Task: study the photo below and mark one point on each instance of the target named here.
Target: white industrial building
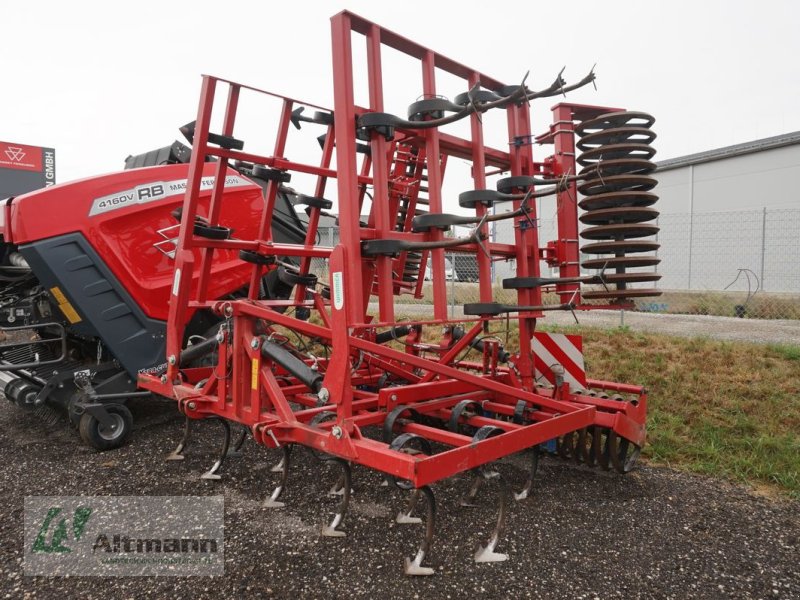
(723, 210)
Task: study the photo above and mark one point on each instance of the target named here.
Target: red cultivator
(330, 367)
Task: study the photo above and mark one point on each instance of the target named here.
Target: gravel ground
(759, 331)
(654, 533)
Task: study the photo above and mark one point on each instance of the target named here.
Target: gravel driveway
(761, 331)
(654, 533)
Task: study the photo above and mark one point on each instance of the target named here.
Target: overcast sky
(101, 80)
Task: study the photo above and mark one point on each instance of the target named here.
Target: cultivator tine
(414, 567)
(468, 501)
(212, 474)
(487, 553)
(278, 468)
(405, 517)
(236, 450)
(331, 530)
(177, 454)
(525, 492)
(272, 501)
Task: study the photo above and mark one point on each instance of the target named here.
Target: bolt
(192, 405)
(324, 395)
(163, 379)
(220, 336)
(393, 397)
(336, 431)
(254, 343)
(172, 360)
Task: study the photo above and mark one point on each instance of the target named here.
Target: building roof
(778, 141)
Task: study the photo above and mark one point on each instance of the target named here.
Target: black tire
(99, 437)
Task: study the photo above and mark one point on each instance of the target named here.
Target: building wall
(729, 214)
(716, 218)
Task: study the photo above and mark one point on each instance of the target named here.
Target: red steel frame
(259, 393)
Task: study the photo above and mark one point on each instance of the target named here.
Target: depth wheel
(102, 437)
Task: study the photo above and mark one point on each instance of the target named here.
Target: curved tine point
(331, 530)
(384, 483)
(211, 474)
(272, 501)
(177, 454)
(414, 567)
(236, 450)
(525, 492)
(487, 553)
(405, 517)
(277, 468)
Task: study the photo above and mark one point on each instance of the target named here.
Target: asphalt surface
(654, 533)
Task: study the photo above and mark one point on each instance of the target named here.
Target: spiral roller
(616, 184)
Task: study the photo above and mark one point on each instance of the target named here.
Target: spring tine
(414, 567)
(405, 517)
(331, 530)
(177, 454)
(487, 553)
(212, 474)
(469, 500)
(278, 468)
(272, 501)
(236, 450)
(525, 492)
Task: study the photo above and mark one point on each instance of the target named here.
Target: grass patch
(721, 408)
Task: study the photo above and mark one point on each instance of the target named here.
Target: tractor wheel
(101, 437)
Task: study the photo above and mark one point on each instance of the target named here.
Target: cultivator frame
(421, 413)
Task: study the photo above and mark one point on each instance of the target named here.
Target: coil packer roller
(421, 413)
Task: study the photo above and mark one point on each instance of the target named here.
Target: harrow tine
(212, 473)
(487, 553)
(525, 492)
(272, 501)
(414, 567)
(177, 454)
(331, 530)
(236, 450)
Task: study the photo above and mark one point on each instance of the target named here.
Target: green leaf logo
(60, 531)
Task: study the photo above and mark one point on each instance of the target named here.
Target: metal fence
(736, 264)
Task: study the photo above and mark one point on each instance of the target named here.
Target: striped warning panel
(566, 350)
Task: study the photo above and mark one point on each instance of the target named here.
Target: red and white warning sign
(566, 350)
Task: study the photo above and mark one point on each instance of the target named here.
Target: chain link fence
(742, 264)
